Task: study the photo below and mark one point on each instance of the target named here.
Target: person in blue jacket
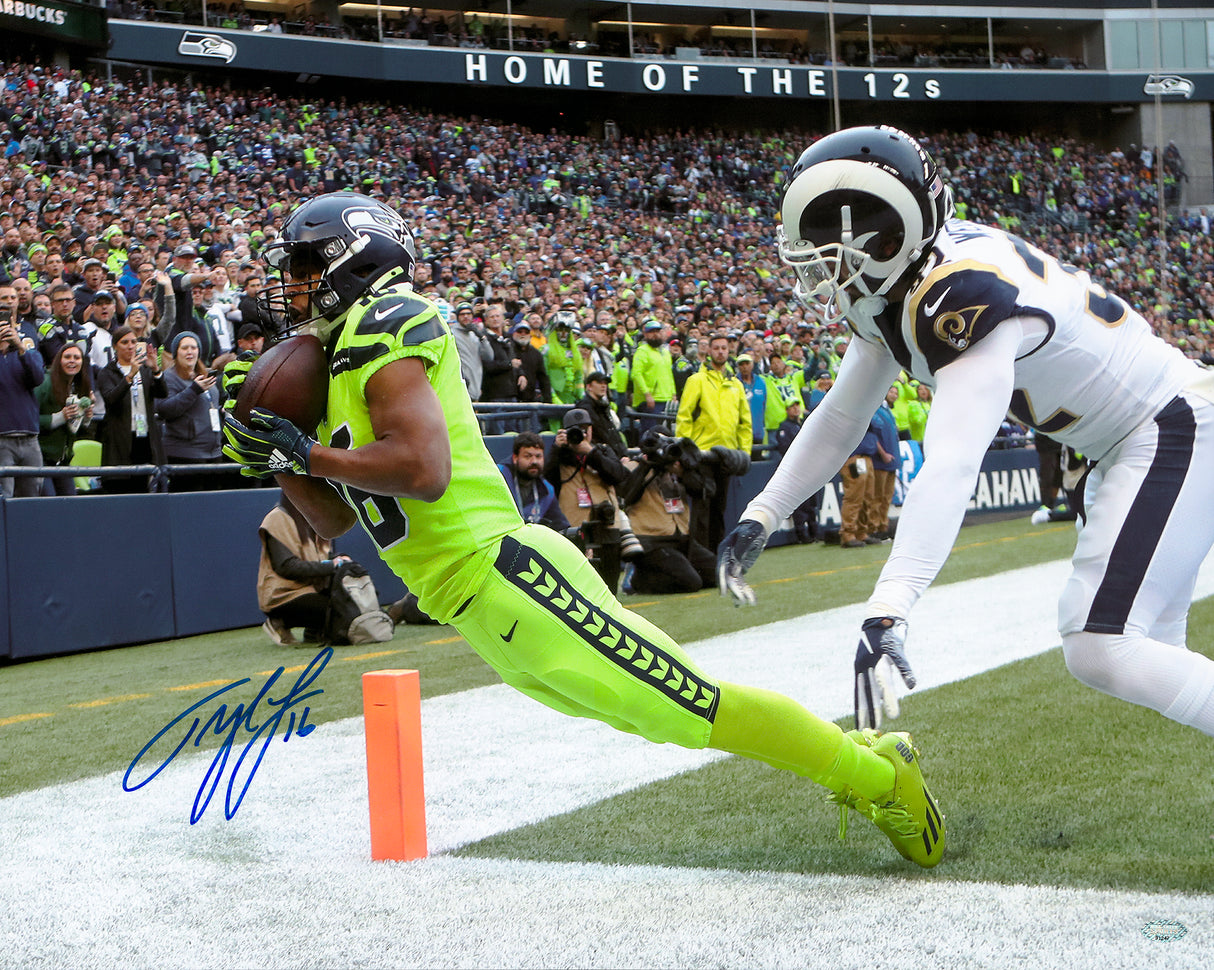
(533, 494)
(886, 463)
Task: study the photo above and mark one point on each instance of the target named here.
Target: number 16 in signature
(261, 725)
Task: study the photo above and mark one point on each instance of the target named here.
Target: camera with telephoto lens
(661, 450)
(575, 435)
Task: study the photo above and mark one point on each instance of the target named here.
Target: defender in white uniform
(991, 324)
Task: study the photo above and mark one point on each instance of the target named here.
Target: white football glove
(735, 555)
(880, 652)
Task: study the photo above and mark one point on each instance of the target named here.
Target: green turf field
(1044, 776)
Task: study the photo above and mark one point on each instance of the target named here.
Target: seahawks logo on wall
(195, 44)
(1162, 84)
(380, 220)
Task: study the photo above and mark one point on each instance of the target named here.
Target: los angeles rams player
(992, 323)
(400, 452)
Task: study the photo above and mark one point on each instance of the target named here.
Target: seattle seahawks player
(400, 452)
(992, 323)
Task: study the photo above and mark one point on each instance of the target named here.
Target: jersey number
(381, 515)
(1106, 309)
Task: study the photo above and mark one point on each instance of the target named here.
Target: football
(291, 379)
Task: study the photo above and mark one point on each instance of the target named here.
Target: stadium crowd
(142, 208)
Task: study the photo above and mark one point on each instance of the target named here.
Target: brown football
(291, 379)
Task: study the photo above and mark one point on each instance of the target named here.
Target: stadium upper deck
(1107, 68)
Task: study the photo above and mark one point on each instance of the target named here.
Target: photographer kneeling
(585, 476)
(659, 507)
(300, 583)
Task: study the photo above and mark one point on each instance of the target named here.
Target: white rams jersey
(1098, 370)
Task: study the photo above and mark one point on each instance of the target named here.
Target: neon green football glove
(234, 374)
(267, 445)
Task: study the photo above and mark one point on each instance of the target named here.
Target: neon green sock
(770, 727)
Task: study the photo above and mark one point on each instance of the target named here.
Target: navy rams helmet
(352, 241)
(861, 211)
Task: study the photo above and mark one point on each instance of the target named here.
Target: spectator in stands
(499, 383)
(857, 475)
(886, 462)
(250, 338)
(65, 407)
(601, 332)
(805, 518)
(755, 387)
(597, 403)
(533, 494)
(184, 275)
(653, 389)
(475, 350)
(1084, 185)
(562, 358)
(102, 319)
(247, 309)
(21, 374)
(917, 412)
(529, 366)
(682, 364)
(190, 411)
(139, 319)
(713, 411)
(96, 281)
(198, 322)
(28, 319)
(129, 385)
(62, 327)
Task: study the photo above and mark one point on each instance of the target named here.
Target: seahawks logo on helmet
(380, 220)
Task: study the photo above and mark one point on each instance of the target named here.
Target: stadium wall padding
(7, 617)
(90, 571)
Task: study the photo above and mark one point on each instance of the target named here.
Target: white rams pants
(1149, 524)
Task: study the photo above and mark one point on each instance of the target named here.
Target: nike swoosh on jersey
(384, 311)
(930, 308)
(509, 636)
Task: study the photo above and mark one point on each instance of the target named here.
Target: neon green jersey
(442, 550)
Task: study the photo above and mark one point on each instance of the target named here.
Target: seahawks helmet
(564, 318)
(862, 209)
(353, 241)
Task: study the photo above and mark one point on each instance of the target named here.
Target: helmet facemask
(333, 250)
(853, 229)
(304, 269)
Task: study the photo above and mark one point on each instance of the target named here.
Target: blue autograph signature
(228, 726)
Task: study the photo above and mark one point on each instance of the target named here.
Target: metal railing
(158, 476)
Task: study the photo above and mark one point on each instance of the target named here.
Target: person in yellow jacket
(907, 395)
(652, 374)
(714, 411)
(782, 387)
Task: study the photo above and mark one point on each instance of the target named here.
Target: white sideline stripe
(94, 876)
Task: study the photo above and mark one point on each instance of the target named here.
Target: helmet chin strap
(869, 306)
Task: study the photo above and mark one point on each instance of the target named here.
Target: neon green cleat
(908, 815)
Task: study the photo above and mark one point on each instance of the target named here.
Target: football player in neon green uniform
(400, 452)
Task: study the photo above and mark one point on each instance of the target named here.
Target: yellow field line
(101, 702)
(445, 640)
(378, 653)
(18, 718)
(208, 683)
